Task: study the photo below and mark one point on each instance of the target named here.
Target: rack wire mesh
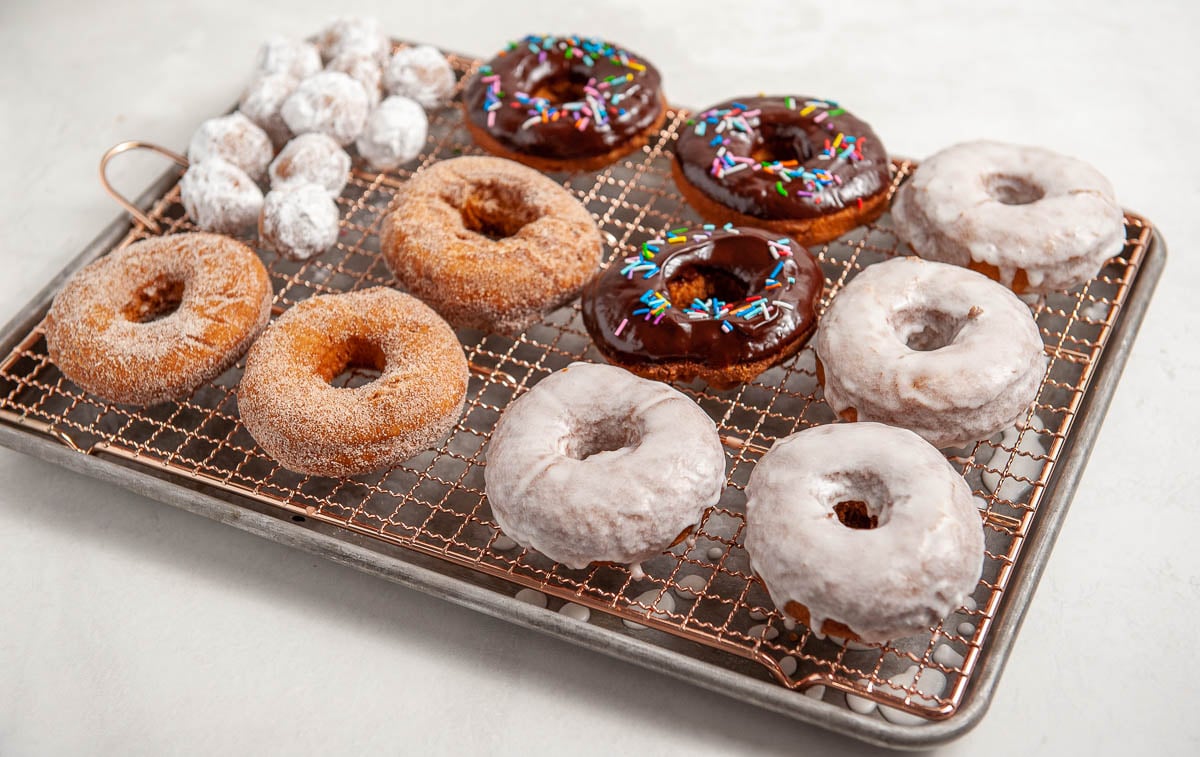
(701, 589)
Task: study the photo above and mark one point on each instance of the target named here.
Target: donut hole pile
(925, 329)
(495, 210)
(155, 300)
(701, 282)
(355, 362)
(611, 434)
(861, 499)
(1013, 190)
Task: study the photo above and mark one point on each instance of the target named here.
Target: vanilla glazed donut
(937, 349)
(288, 405)
(1032, 219)
(862, 531)
(153, 321)
(594, 464)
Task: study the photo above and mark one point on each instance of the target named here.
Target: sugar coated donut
(394, 133)
(311, 159)
(594, 464)
(1032, 219)
(934, 348)
(280, 55)
(862, 531)
(720, 304)
(800, 166)
(420, 73)
(236, 139)
(289, 406)
(564, 103)
(489, 243)
(299, 221)
(151, 322)
(352, 34)
(330, 103)
(364, 69)
(218, 196)
(261, 103)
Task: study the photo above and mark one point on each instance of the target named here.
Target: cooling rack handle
(116, 150)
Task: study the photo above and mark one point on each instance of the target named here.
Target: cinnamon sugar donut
(489, 243)
(151, 322)
(289, 406)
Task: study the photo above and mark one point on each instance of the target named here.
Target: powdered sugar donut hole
(236, 139)
(261, 103)
(280, 55)
(311, 159)
(218, 196)
(394, 134)
(299, 221)
(354, 35)
(330, 103)
(421, 73)
(364, 69)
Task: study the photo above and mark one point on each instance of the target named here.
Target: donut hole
(563, 87)
(496, 211)
(155, 300)
(700, 282)
(855, 513)
(860, 500)
(608, 435)
(352, 363)
(1013, 190)
(781, 143)
(927, 329)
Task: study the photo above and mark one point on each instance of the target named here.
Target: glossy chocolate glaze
(737, 259)
(536, 74)
(773, 129)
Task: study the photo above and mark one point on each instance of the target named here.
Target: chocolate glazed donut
(719, 304)
(799, 166)
(564, 103)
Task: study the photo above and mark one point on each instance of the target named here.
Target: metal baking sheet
(703, 617)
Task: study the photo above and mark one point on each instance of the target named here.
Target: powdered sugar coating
(655, 463)
(261, 103)
(963, 206)
(394, 133)
(354, 35)
(433, 242)
(289, 407)
(330, 103)
(234, 138)
(311, 159)
(421, 73)
(98, 335)
(280, 55)
(979, 382)
(894, 580)
(218, 196)
(299, 221)
(364, 69)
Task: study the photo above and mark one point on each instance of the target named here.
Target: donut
(594, 464)
(261, 103)
(362, 68)
(721, 304)
(799, 166)
(218, 196)
(564, 103)
(236, 139)
(490, 244)
(152, 321)
(394, 133)
(311, 159)
(330, 103)
(299, 221)
(289, 406)
(862, 531)
(280, 55)
(420, 73)
(1032, 219)
(934, 348)
(352, 34)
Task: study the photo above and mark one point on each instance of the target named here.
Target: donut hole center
(781, 143)
(1013, 190)
(701, 282)
(562, 87)
(495, 211)
(352, 363)
(608, 435)
(156, 300)
(927, 329)
(855, 513)
(860, 501)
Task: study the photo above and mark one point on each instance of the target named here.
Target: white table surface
(129, 627)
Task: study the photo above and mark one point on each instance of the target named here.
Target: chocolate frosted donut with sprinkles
(799, 166)
(721, 304)
(564, 103)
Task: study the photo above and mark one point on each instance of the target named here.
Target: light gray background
(129, 627)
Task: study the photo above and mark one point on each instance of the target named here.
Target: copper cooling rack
(701, 591)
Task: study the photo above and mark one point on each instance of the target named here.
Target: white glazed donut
(234, 138)
(937, 349)
(595, 464)
(330, 103)
(362, 68)
(218, 196)
(862, 531)
(1030, 218)
(394, 134)
(262, 100)
(354, 35)
(421, 73)
(299, 221)
(311, 158)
